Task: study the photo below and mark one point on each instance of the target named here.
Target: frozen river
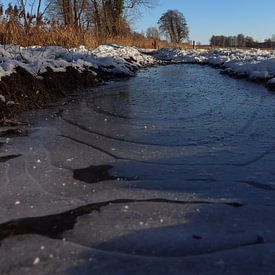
(168, 172)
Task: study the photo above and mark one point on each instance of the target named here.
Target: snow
(2, 98)
(272, 81)
(256, 65)
(37, 60)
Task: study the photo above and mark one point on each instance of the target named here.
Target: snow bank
(106, 60)
(254, 64)
(113, 59)
(37, 60)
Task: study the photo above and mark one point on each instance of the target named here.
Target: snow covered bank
(256, 65)
(118, 60)
(35, 76)
(37, 60)
(38, 75)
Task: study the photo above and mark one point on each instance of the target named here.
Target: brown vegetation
(21, 28)
(69, 36)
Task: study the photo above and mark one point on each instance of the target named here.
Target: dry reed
(11, 32)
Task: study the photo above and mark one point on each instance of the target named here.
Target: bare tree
(229, 41)
(240, 40)
(69, 12)
(152, 32)
(113, 16)
(130, 4)
(28, 14)
(22, 4)
(174, 25)
(108, 18)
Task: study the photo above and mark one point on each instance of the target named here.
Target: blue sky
(206, 17)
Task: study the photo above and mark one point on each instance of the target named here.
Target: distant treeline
(240, 41)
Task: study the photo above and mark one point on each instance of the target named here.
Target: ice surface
(183, 159)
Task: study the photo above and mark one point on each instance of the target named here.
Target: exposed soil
(30, 93)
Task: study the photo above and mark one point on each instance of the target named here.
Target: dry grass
(65, 36)
(145, 43)
(69, 36)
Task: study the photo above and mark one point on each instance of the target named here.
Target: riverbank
(33, 77)
(254, 65)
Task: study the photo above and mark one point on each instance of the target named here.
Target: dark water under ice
(169, 171)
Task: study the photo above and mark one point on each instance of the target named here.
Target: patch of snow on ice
(2, 98)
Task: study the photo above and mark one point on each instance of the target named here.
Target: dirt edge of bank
(26, 92)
